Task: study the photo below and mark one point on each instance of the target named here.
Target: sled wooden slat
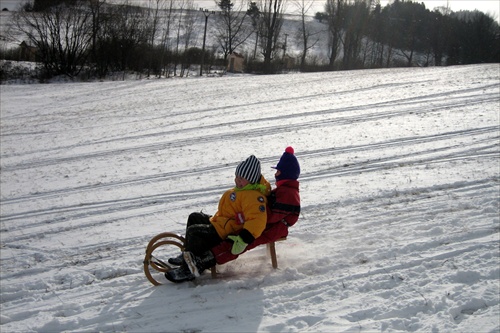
(272, 250)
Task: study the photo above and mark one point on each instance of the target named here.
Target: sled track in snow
(330, 117)
(487, 149)
(151, 205)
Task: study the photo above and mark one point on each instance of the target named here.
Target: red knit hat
(288, 165)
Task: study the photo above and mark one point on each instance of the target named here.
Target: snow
(399, 229)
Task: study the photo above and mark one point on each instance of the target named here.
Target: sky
(491, 7)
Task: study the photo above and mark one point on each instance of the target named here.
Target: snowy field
(399, 228)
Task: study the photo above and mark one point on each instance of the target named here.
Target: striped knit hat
(249, 169)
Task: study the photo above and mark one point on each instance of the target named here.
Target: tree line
(363, 34)
(162, 37)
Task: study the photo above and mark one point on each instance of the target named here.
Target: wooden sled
(165, 240)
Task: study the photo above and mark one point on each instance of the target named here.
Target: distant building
(289, 62)
(27, 53)
(235, 64)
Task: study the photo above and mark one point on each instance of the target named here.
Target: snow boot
(177, 261)
(180, 274)
(197, 264)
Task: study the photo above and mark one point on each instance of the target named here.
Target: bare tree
(99, 23)
(334, 10)
(155, 10)
(254, 13)
(62, 35)
(305, 33)
(232, 25)
(189, 24)
(165, 47)
(270, 23)
(185, 21)
(129, 35)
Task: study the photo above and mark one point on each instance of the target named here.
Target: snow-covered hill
(399, 228)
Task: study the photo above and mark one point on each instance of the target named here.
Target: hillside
(399, 229)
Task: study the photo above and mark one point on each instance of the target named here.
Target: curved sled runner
(150, 261)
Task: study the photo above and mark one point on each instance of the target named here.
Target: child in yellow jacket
(241, 216)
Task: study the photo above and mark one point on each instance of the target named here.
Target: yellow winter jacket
(249, 204)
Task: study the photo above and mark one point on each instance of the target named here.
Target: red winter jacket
(283, 211)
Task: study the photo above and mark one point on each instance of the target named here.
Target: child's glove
(238, 246)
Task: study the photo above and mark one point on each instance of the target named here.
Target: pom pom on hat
(249, 169)
(288, 165)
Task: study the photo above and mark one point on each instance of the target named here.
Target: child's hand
(238, 246)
